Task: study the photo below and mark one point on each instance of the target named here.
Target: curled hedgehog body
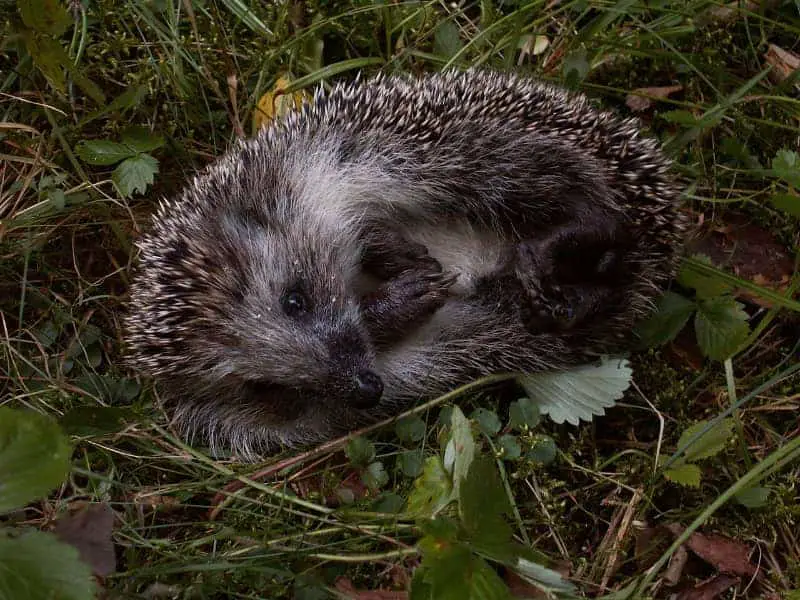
(391, 240)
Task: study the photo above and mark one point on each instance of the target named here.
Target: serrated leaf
(446, 40)
(509, 446)
(134, 174)
(687, 475)
(410, 463)
(433, 490)
(360, 451)
(754, 497)
(523, 414)
(102, 152)
(670, 317)
(37, 566)
(788, 203)
(575, 67)
(141, 139)
(410, 429)
(721, 327)
(711, 443)
(706, 285)
(45, 16)
(580, 393)
(543, 450)
(487, 420)
(34, 457)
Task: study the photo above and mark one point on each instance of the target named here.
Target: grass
(194, 73)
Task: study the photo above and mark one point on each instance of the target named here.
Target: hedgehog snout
(368, 389)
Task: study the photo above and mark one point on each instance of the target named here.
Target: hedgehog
(393, 239)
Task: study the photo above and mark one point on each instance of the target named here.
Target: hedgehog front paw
(388, 254)
(402, 302)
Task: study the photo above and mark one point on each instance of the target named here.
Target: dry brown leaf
(724, 554)
(641, 99)
(89, 531)
(783, 62)
(276, 103)
(677, 562)
(709, 589)
(346, 587)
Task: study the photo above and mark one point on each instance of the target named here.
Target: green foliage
(136, 168)
(523, 414)
(692, 448)
(458, 548)
(410, 429)
(34, 457)
(37, 566)
(360, 451)
(720, 323)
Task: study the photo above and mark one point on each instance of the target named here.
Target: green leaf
(687, 475)
(360, 451)
(433, 490)
(134, 174)
(374, 476)
(34, 457)
(388, 503)
(580, 393)
(141, 139)
(460, 449)
(754, 497)
(48, 56)
(721, 327)
(96, 420)
(410, 429)
(37, 566)
(543, 451)
(523, 414)
(711, 443)
(487, 421)
(672, 313)
(575, 67)
(102, 152)
(788, 203)
(452, 572)
(509, 446)
(786, 165)
(483, 503)
(681, 117)
(706, 285)
(446, 41)
(45, 16)
(410, 463)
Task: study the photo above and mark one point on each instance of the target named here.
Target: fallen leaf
(783, 62)
(276, 103)
(674, 570)
(346, 587)
(724, 554)
(709, 589)
(641, 99)
(749, 251)
(89, 531)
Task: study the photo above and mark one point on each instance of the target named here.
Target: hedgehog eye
(294, 303)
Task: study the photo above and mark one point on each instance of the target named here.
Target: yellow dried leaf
(276, 103)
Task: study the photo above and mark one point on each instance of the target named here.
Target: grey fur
(507, 183)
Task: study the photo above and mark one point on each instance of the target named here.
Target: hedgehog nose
(369, 389)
